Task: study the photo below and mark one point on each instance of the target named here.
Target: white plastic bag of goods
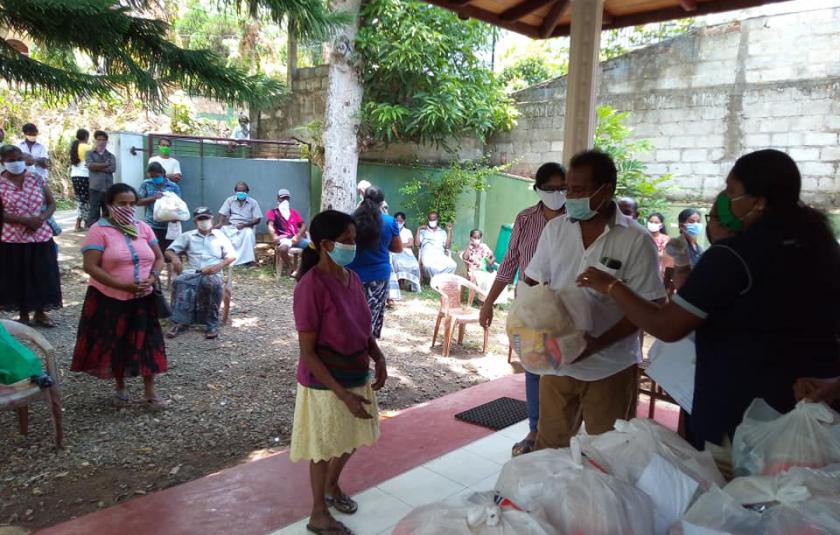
(672, 366)
(626, 451)
(576, 498)
(543, 331)
(170, 207)
(479, 514)
(670, 489)
(717, 513)
(769, 443)
(800, 501)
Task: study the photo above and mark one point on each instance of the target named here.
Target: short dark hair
(601, 164)
(100, 133)
(161, 140)
(546, 171)
(400, 214)
(116, 189)
(242, 183)
(156, 167)
(29, 128)
(473, 231)
(8, 150)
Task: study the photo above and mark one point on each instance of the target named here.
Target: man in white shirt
(243, 129)
(602, 385)
(238, 217)
(36, 154)
(170, 164)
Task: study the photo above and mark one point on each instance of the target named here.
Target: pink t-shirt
(124, 258)
(338, 314)
(28, 200)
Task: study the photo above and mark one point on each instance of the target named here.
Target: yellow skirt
(325, 429)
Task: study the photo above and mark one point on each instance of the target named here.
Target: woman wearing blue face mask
(684, 251)
(150, 191)
(335, 407)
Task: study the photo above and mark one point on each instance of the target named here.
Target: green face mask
(724, 212)
(165, 151)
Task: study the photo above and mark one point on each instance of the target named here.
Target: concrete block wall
(705, 98)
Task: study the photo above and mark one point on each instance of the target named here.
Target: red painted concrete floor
(265, 495)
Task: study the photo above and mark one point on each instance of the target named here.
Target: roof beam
(552, 19)
(689, 5)
(524, 8)
(469, 11)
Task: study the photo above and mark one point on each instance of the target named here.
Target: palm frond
(312, 19)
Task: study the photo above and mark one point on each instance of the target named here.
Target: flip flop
(175, 331)
(211, 335)
(121, 398)
(342, 503)
(45, 322)
(522, 447)
(156, 403)
(339, 529)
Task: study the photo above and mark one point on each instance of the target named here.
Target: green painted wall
(485, 210)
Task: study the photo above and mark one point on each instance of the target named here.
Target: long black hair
(328, 225)
(368, 217)
(82, 135)
(663, 230)
(685, 215)
(116, 189)
(773, 175)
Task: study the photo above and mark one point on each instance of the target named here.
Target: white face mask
(400, 225)
(15, 168)
(204, 224)
(433, 224)
(554, 200)
(476, 241)
(654, 227)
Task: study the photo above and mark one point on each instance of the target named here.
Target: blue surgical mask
(241, 195)
(580, 209)
(694, 229)
(343, 254)
(15, 168)
(158, 180)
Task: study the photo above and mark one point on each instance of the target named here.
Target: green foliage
(619, 42)
(611, 136)
(439, 192)
(424, 77)
(527, 72)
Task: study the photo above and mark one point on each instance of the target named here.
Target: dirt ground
(232, 399)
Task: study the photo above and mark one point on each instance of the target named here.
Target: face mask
(283, 205)
(158, 180)
(124, 215)
(724, 212)
(554, 200)
(400, 225)
(580, 209)
(654, 227)
(165, 151)
(694, 229)
(433, 224)
(343, 254)
(241, 195)
(15, 168)
(475, 241)
(204, 224)
(31, 139)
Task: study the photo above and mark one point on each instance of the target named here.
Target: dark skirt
(376, 293)
(119, 338)
(29, 278)
(163, 243)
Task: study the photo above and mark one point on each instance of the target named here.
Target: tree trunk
(342, 117)
(293, 55)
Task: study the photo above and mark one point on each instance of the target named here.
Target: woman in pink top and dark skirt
(335, 407)
(119, 332)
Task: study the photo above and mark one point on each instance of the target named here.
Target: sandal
(121, 398)
(342, 503)
(211, 335)
(45, 321)
(522, 447)
(156, 403)
(338, 528)
(175, 331)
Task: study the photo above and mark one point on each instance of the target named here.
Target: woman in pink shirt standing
(335, 406)
(119, 332)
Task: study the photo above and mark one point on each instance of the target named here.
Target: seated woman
(480, 261)
(406, 267)
(435, 243)
(286, 227)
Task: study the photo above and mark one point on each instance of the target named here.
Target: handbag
(162, 306)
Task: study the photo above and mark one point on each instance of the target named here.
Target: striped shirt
(527, 229)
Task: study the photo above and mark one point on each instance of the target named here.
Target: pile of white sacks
(643, 479)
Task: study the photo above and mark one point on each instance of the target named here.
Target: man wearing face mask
(150, 191)
(165, 159)
(286, 227)
(550, 186)
(238, 216)
(601, 386)
(199, 287)
(37, 155)
(101, 166)
(435, 244)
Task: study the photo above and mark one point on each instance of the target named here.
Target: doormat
(497, 414)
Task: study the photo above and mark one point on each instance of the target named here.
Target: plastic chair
(20, 395)
(294, 256)
(453, 312)
(225, 297)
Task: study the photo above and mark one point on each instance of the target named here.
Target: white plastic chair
(453, 311)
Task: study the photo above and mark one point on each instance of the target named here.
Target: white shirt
(202, 250)
(170, 165)
(242, 133)
(38, 150)
(561, 257)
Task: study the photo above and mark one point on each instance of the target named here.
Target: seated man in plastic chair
(286, 227)
(199, 287)
(238, 217)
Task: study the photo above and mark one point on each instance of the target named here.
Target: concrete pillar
(582, 81)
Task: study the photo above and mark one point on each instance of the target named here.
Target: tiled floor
(472, 468)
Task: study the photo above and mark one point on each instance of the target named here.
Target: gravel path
(232, 400)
